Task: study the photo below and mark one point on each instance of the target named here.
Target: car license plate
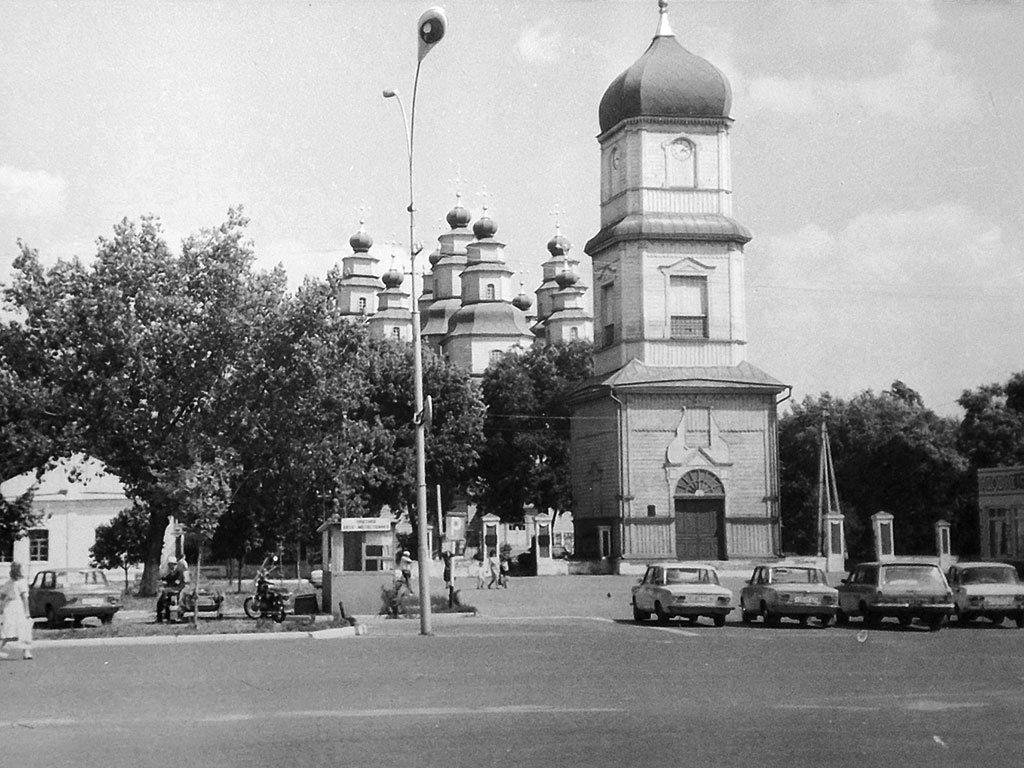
(806, 600)
(999, 602)
(91, 601)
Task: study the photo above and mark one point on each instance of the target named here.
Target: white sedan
(681, 589)
(989, 590)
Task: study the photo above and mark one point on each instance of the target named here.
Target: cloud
(30, 194)
(539, 45)
(925, 84)
(929, 296)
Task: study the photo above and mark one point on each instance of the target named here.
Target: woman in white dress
(15, 625)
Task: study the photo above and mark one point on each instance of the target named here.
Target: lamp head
(390, 93)
(431, 28)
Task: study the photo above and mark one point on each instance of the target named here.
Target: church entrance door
(700, 517)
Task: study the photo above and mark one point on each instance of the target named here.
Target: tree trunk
(151, 568)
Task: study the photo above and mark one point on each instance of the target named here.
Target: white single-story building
(75, 497)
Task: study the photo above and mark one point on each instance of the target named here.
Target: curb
(93, 642)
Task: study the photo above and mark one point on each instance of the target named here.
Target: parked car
(72, 593)
(788, 591)
(986, 590)
(906, 590)
(681, 589)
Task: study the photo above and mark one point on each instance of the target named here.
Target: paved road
(594, 690)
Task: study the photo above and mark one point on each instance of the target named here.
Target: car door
(849, 598)
(954, 579)
(645, 595)
(39, 592)
(754, 589)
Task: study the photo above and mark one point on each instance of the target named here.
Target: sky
(876, 151)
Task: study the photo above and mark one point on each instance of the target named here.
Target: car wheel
(747, 616)
(802, 620)
(719, 619)
(1020, 620)
(639, 616)
(249, 606)
(825, 620)
(76, 622)
(841, 618)
(870, 619)
(935, 623)
(770, 619)
(107, 618)
(51, 618)
(905, 621)
(997, 619)
(660, 613)
(279, 614)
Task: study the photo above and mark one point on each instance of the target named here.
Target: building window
(688, 307)
(490, 291)
(574, 333)
(608, 314)
(7, 552)
(362, 304)
(39, 545)
(652, 510)
(496, 356)
(396, 333)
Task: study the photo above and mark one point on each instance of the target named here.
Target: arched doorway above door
(700, 516)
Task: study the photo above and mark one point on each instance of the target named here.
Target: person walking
(15, 624)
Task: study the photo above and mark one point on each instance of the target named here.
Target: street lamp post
(432, 26)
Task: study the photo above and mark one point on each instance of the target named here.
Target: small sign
(365, 524)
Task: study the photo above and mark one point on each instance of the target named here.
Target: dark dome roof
(566, 277)
(667, 81)
(522, 302)
(361, 241)
(484, 227)
(458, 217)
(559, 245)
(392, 278)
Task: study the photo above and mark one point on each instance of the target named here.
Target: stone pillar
(942, 544)
(881, 524)
(332, 552)
(542, 552)
(835, 543)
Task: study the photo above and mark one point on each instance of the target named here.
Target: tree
(891, 454)
(123, 542)
(992, 431)
(525, 456)
(138, 344)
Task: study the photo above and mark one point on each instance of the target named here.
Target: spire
(664, 29)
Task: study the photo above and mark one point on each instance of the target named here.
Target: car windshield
(797, 576)
(690, 576)
(912, 575)
(85, 577)
(990, 575)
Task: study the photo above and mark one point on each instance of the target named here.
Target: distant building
(75, 498)
(1001, 513)
(674, 442)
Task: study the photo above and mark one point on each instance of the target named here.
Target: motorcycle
(268, 601)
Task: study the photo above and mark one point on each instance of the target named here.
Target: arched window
(699, 482)
(496, 355)
(489, 291)
(396, 333)
(362, 304)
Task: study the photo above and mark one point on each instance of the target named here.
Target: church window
(688, 307)
(362, 304)
(699, 482)
(496, 356)
(608, 314)
(489, 291)
(396, 333)
(574, 333)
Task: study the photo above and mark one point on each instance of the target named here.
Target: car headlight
(785, 597)
(723, 600)
(828, 599)
(976, 599)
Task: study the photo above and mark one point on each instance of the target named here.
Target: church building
(674, 442)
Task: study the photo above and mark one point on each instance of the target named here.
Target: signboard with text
(365, 524)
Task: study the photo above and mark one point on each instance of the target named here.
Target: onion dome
(392, 278)
(484, 227)
(522, 302)
(361, 240)
(668, 82)
(434, 257)
(458, 217)
(559, 245)
(566, 277)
